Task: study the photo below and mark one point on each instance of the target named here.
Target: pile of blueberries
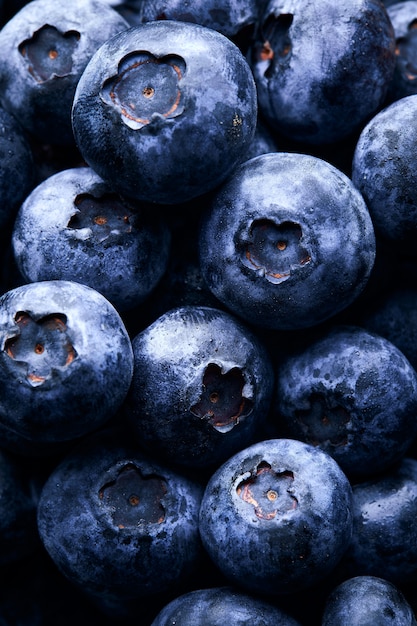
(208, 312)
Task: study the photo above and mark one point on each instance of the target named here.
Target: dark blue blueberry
(287, 242)
(202, 386)
(219, 606)
(384, 538)
(74, 227)
(322, 69)
(367, 601)
(165, 111)
(119, 525)
(384, 171)
(44, 48)
(16, 167)
(353, 394)
(403, 16)
(66, 360)
(276, 517)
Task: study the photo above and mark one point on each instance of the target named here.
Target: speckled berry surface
(201, 388)
(67, 359)
(383, 170)
(277, 516)
(287, 241)
(220, 605)
(352, 393)
(367, 600)
(165, 110)
(133, 520)
(72, 226)
(44, 49)
(324, 92)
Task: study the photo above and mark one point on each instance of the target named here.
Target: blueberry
(353, 394)
(367, 601)
(322, 69)
(383, 170)
(72, 226)
(165, 111)
(384, 538)
(119, 525)
(287, 242)
(276, 517)
(44, 48)
(202, 386)
(66, 360)
(221, 605)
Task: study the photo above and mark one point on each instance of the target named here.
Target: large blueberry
(287, 241)
(322, 68)
(221, 605)
(352, 393)
(384, 171)
(276, 517)
(72, 226)
(165, 111)
(384, 537)
(66, 360)
(119, 525)
(44, 48)
(202, 386)
(367, 601)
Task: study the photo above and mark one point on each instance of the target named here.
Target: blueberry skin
(322, 69)
(383, 170)
(353, 394)
(221, 605)
(403, 15)
(367, 601)
(384, 538)
(165, 111)
(201, 388)
(16, 167)
(287, 241)
(73, 227)
(44, 48)
(66, 360)
(118, 524)
(276, 517)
